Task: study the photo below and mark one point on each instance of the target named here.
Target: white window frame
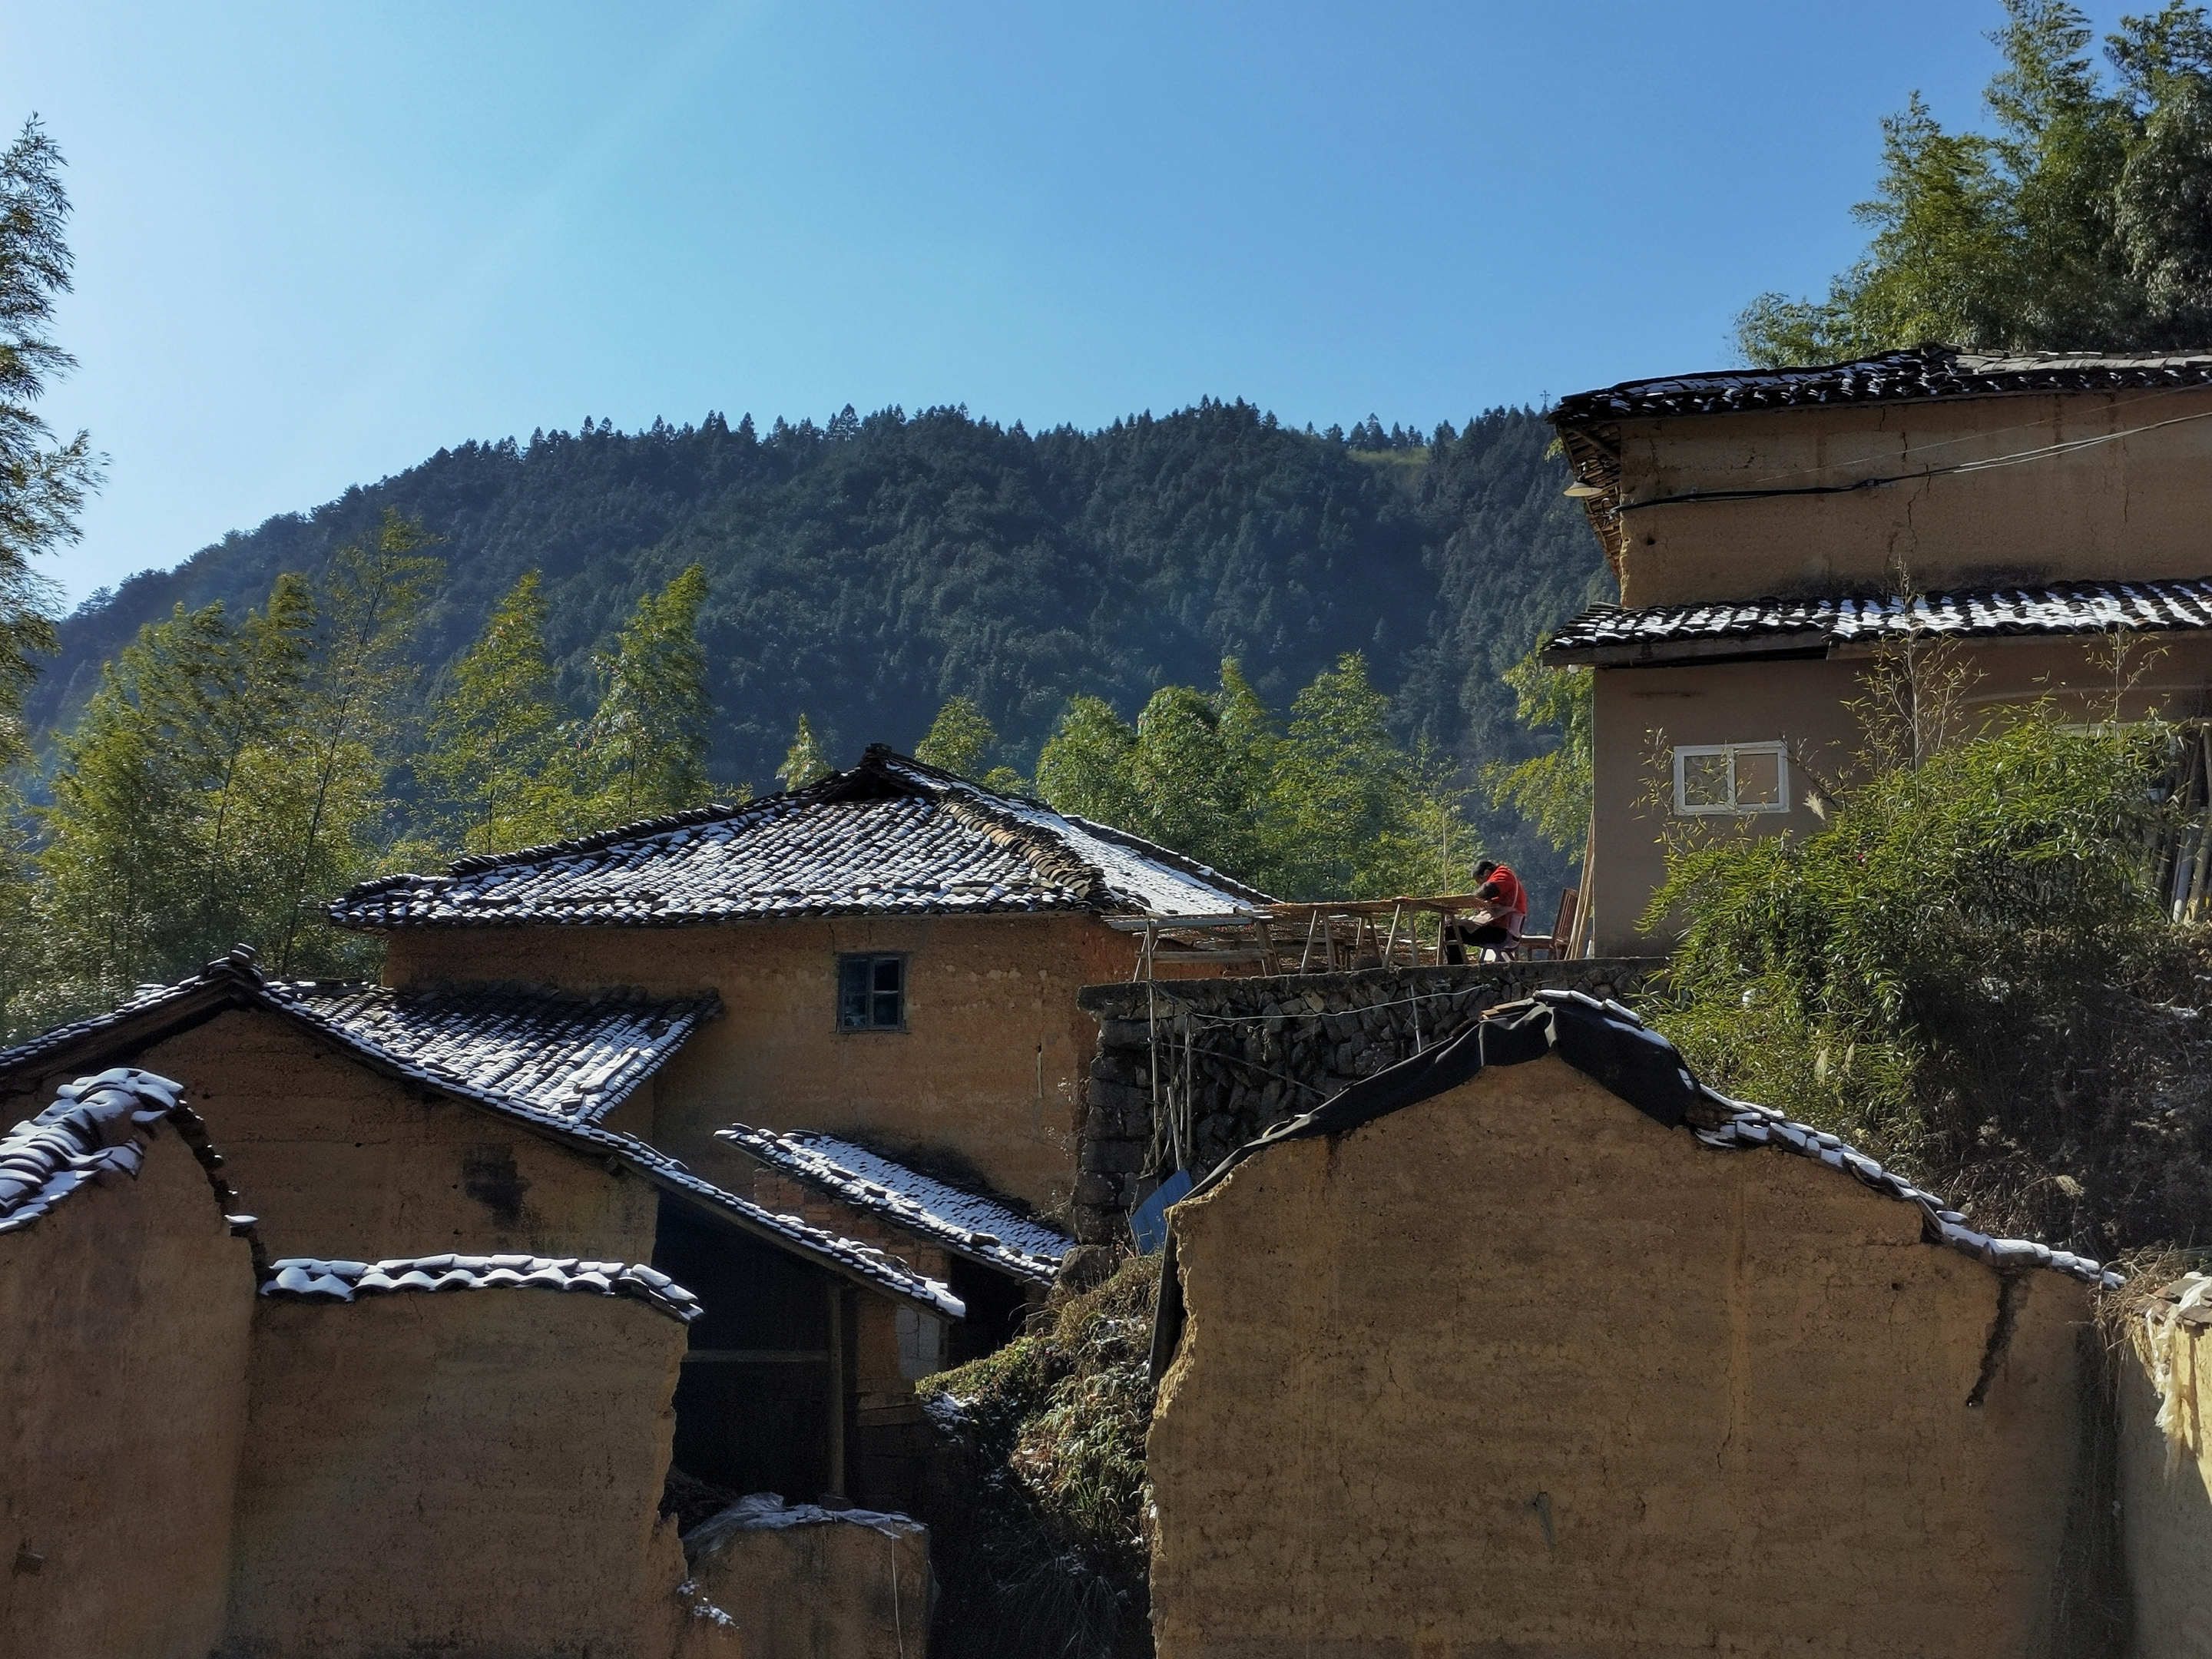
(1684, 752)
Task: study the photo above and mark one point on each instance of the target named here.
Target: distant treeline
(865, 572)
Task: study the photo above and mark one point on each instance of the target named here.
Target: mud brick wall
(1260, 1051)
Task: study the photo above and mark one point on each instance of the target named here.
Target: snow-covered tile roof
(1608, 635)
(891, 836)
(96, 1133)
(983, 1228)
(306, 1280)
(574, 1056)
(1916, 373)
(425, 1049)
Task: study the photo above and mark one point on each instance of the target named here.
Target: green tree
(1924, 972)
(959, 740)
(648, 739)
(326, 786)
(43, 483)
(497, 736)
(2077, 222)
(1333, 808)
(806, 761)
(1084, 765)
(165, 843)
(1550, 790)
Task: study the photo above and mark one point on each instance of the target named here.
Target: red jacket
(1507, 896)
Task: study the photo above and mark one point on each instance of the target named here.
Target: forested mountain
(862, 572)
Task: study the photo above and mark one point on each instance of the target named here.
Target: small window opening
(871, 993)
(1731, 779)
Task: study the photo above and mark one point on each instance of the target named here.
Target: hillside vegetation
(862, 572)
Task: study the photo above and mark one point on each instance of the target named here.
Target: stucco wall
(476, 1473)
(123, 1385)
(1641, 714)
(338, 1162)
(2166, 1506)
(2130, 507)
(1517, 1370)
(991, 1064)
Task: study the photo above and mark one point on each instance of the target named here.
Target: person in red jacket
(1498, 926)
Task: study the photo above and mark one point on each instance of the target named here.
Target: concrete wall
(123, 1385)
(1255, 1042)
(2166, 1497)
(1641, 713)
(2132, 507)
(1516, 1370)
(990, 1066)
(341, 1163)
(476, 1474)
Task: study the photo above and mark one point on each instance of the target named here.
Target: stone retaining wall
(1256, 1052)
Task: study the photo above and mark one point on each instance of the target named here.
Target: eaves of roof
(1608, 636)
(234, 982)
(981, 1229)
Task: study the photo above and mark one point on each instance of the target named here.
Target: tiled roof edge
(1169, 856)
(97, 1132)
(2147, 604)
(301, 1278)
(848, 1187)
(1611, 1045)
(1919, 374)
(847, 1256)
(237, 981)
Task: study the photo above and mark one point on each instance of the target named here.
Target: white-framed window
(1715, 780)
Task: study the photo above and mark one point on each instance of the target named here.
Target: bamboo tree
(43, 483)
(372, 601)
(959, 740)
(496, 747)
(648, 739)
(804, 760)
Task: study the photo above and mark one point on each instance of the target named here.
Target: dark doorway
(997, 1307)
(753, 1408)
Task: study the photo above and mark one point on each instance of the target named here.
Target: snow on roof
(553, 1053)
(304, 1278)
(426, 1046)
(983, 1228)
(1608, 635)
(889, 836)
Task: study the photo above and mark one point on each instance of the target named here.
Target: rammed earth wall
(1186, 1071)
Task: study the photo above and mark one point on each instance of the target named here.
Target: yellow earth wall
(123, 1316)
(2166, 1497)
(339, 1161)
(1641, 714)
(476, 1472)
(2132, 506)
(991, 1064)
(1516, 1370)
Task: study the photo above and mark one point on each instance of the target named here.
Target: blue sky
(315, 243)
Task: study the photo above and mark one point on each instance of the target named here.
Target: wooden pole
(837, 1388)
